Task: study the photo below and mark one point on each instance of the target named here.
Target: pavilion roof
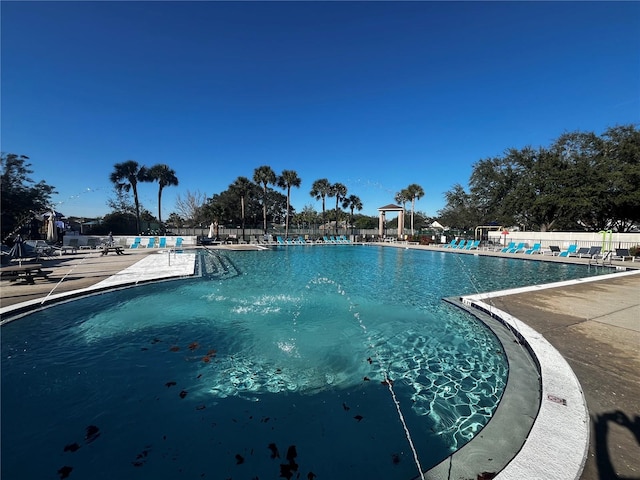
(391, 206)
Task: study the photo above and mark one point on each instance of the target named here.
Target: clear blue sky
(375, 95)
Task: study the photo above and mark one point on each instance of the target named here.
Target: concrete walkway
(594, 325)
(70, 272)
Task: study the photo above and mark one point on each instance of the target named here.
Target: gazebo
(382, 219)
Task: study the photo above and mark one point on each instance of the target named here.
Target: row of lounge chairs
(463, 245)
(338, 239)
(594, 252)
(279, 240)
(553, 250)
(521, 248)
(151, 243)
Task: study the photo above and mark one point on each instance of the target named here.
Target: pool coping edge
(558, 443)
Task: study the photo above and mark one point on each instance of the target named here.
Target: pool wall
(504, 435)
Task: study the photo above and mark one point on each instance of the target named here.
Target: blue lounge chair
(178, 246)
(451, 244)
(462, 244)
(508, 247)
(473, 245)
(280, 241)
(571, 249)
(518, 248)
(534, 249)
(151, 243)
(136, 242)
(163, 242)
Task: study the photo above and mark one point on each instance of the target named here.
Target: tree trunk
(286, 226)
(137, 202)
(264, 210)
(413, 202)
(242, 208)
(160, 206)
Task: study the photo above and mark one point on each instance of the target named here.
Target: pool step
(218, 266)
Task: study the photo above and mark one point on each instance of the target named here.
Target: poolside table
(27, 272)
(116, 250)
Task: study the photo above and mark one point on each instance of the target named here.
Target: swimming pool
(272, 360)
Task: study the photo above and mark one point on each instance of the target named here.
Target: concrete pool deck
(594, 325)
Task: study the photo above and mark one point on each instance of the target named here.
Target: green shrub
(635, 251)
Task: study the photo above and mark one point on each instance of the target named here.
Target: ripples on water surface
(271, 365)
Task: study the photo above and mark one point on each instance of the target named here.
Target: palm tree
(264, 176)
(320, 190)
(242, 185)
(402, 197)
(339, 191)
(414, 192)
(288, 179)
(352, 202)
(126, 176)
(165, 176)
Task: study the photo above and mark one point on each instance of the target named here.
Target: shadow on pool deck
(595, 326)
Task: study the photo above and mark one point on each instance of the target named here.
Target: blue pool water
(273, 364)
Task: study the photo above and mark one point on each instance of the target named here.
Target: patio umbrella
(18, 249)
(52, 235)
(505, 232)
(211, 232)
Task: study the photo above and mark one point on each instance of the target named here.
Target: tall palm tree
(402, 197)
(320, 190)
(241, 186)
(264, 176)
(126, 176)
(352, 202)
(165, 176)
(339, 191)
(414, 192)
(288, 179)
